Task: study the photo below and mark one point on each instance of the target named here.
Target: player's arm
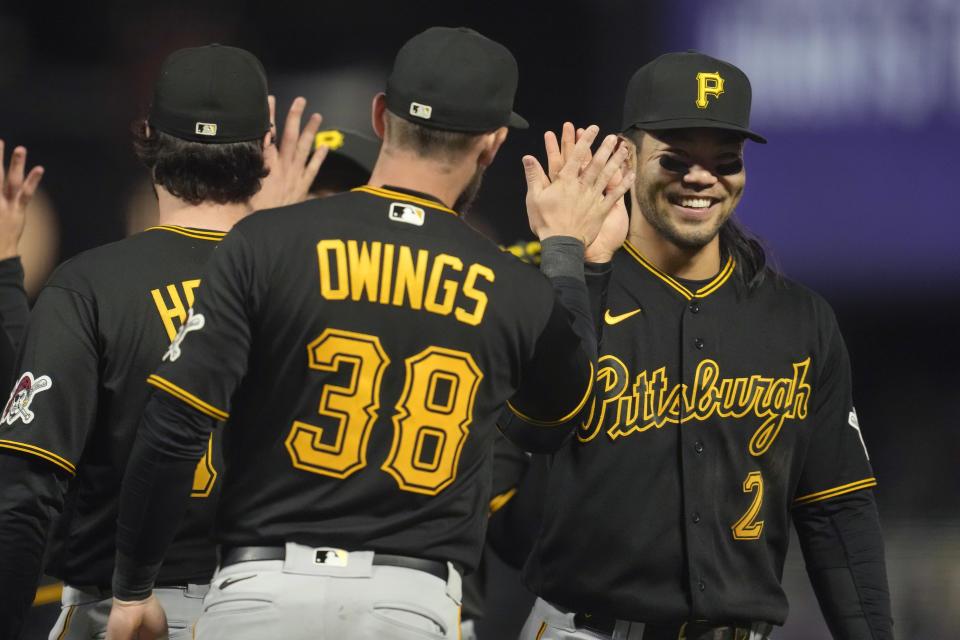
(834, 510)
(46, 421)
(193, 388)
(31, 497)
(843, 549)
(566, 212)
(15, 194)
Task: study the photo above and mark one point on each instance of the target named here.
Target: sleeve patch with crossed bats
(18, 406)
(192, 323)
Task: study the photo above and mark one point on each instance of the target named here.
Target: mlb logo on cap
(206, 129)
(421, 110)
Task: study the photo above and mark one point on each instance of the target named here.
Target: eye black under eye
(729, 168)
(673, 165)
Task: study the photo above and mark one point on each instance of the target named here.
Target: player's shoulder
(794, 297)
(114, 262)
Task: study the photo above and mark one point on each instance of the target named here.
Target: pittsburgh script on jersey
(653, 402)
(385, 273)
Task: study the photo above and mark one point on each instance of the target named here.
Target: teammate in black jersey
(361, 346)
(723, 408)
(99, 327)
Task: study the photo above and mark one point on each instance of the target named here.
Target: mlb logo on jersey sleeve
(403, 212)
(18, 406)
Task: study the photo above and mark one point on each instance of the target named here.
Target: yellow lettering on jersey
(654, 402)
(367, 271)
(327, 287)
(410, 278)
(386, 279)
(175, 310)
(470, 290)
(188, 287)
(708, 84)
(431, 303)
(364, 269)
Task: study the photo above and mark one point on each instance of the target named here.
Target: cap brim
(517, 121)
(697, 123)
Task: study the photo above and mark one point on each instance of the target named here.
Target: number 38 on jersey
(430, 422)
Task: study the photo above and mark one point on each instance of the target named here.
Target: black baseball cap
(686, 90)
(212, 94)
(454, 79)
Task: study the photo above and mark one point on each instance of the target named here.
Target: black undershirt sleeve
(171, 439)
(564, 360)
(13, 299)
(31, 498)
(597, 276)
(843, 549)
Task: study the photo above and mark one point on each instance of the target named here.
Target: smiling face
(688, 183)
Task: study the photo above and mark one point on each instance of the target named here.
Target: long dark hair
(199, 172)
(749, 251)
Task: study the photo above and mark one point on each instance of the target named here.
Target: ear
(630, 162)
(268, 140)
(490, 144)
(377, 117)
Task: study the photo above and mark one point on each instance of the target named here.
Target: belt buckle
(331, 557)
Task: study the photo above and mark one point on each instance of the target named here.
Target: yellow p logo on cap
(708, 84)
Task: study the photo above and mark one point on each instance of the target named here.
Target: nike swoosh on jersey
(610, 319)
(229, 581)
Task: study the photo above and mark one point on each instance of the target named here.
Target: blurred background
(860, 101)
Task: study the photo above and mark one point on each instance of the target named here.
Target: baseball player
(99, 327)
(15, 194)
(722, 410)
(361, 346)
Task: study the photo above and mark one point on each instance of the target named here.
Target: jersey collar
(701, 292)
(202, 234)
(407, 195)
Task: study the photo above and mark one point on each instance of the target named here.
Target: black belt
(233, 555)
(690, 630)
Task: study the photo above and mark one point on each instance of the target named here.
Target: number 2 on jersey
(430, 424)
(748, 527)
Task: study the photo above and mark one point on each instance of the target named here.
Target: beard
(692, 239)
(468, 196)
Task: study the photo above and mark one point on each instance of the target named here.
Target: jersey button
(695, 517)
(698, 343)
(698, 446)
(701, 586)
(694, 307)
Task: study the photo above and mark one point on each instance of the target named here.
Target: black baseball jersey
(717, 410)
(97, 330)
(362, 346)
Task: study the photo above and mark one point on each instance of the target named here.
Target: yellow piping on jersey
(549, 423)
(188, 398)
(216, 236)
(702, 292)
(836, 491)
(42, 453)
(543, 627)
(497, 502)
(397, 195)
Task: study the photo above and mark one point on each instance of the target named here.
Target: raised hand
(614, 229)
(15, 195)
(582, 189)
(290, 172)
